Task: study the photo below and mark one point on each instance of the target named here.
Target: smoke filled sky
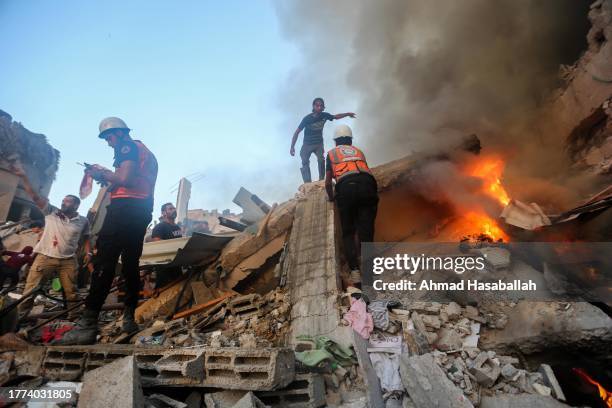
(217, 88)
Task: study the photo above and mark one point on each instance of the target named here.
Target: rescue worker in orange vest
(356, 196)
(132, 185)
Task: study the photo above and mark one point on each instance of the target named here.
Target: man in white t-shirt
(56, 251)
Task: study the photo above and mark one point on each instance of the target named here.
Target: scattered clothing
(86, 186)
(325, 349)
(386, 366)
(380, 312)
(359, 318)
(55, 331)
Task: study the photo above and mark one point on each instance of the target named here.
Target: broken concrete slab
(248, 369)
(551, 381)
(246, 244)
(253, 208)
(249, 400)
(520, 401)
(537, 326)
(427, 384)
(122, 377)
(29, 362)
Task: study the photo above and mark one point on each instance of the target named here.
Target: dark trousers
(357, 201)
(6, 272)
(122, 234)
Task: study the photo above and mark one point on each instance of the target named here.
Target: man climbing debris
(56, 251)
(132, 185)
(313, 137)
(356, 196)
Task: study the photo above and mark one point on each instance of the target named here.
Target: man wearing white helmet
(356, 196)
(132, 185)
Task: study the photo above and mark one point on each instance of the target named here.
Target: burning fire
(490, 170)
(473, 223)
(605, 395)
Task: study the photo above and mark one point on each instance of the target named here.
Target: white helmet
(342, 131)
(111, 123)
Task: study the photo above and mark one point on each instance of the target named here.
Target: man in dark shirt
(167, 228)
(313, 137)
(10, 269)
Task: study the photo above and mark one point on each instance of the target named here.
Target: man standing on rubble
(132, 185)
(313, 137)
(166, 229)
(356, 195)
(56, 251)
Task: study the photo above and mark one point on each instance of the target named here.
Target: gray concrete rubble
(248, 369)
(427, 385)
(249, 400)
(520, 401)
(117, 384)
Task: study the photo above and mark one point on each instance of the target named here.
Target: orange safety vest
(346, 160)
(146, 175)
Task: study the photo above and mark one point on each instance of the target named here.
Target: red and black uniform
(125, 224)
(10, 269)
(356, 198)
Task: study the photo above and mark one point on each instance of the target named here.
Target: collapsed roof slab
(183, 251)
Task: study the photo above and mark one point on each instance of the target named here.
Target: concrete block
(249, 401)
(243, 306)
(115, 385)
(306, 391)
(427, 384)
(176, 367)
(167, 401)
(64, 365)
(249, 369)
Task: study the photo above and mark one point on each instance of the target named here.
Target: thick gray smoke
(419, 72)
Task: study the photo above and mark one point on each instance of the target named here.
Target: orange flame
(605, 395)
(490, 170)
(473, 223)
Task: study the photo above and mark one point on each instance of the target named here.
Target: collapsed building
(263, 317)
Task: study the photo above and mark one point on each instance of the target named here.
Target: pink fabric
(359, 318)
(86, 186)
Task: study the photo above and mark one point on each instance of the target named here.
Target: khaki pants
(44, 267)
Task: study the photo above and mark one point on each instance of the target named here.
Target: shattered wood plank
(199, 308)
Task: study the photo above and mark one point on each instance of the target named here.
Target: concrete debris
(550, 380)
(520, 401)
(427, 384)
(122, 377)
(307, 390)
(249, 400)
